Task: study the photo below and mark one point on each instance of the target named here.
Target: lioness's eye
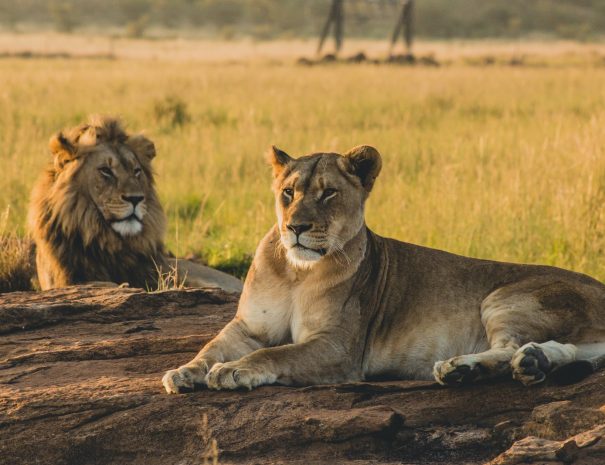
(328, 194)
(288, 192)
(105, 171)
(137, 172)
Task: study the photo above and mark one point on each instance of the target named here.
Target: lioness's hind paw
(457, 370)
(530, 365)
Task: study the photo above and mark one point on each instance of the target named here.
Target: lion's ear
(88, 136)
(278, 159)
(141, 146)
(62, 150)
(364, 162)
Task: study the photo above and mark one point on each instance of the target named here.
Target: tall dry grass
(16, 259)
(498, 162)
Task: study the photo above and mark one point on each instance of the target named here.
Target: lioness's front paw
(530, 364)
(184, 379)
(233, 375)
(458, 370)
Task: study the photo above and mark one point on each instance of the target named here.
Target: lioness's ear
(142, 146)
(364, 162)
(62, 150)
(278, 159)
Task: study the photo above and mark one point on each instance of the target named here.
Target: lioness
(95, 214)
(328, 301)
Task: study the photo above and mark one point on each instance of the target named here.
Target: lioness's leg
(568, 362)
(497, 317)
(529, 364)
(317, 361)
(529, 312)
(232, 343)
(474, 367)
(532, 362)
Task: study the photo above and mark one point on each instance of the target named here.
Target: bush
(136, 28)
(171, 112)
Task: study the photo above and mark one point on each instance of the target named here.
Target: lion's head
(99, 163)
(98, 197)
(319, 200)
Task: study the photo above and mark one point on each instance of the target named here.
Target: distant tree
(336, 22)
(404, 26)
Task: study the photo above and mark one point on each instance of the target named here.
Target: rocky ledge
(80, 373)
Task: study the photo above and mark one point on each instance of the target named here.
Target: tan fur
(327, 300)
(77, 204)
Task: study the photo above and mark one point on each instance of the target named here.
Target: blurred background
(287, 19)
(489, 114)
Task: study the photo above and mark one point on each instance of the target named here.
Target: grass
(168, 280)
(210, 454)
(16, 259)
(498, 162)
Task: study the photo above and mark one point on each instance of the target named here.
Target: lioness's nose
(133, 199)
(298, 229)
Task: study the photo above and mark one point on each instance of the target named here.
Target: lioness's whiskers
(338, 249)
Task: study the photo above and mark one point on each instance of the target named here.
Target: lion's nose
(133, 199)
(298, 229)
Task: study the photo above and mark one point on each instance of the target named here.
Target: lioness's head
(100, 164)
(320, 199)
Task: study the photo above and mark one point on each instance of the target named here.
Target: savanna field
(501, 162)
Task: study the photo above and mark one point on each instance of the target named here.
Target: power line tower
(336, 17)
(404, 27)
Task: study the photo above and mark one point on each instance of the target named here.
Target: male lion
(95, 214)
(328, 301)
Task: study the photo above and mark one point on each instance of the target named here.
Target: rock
(587, 448)
(304, 61)
(328, 58)
(559, 420)
(80, 372)
(359, 57)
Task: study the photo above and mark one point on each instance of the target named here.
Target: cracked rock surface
(80, 372)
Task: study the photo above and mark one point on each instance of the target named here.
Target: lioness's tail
(577, 370)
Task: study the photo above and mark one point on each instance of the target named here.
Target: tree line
(269, 19)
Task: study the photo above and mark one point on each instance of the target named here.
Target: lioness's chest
(268, 316)
(292, 316)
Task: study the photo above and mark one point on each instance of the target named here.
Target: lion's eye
(289, 193)
(328, 194)
(137, 172)
(106, 172)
